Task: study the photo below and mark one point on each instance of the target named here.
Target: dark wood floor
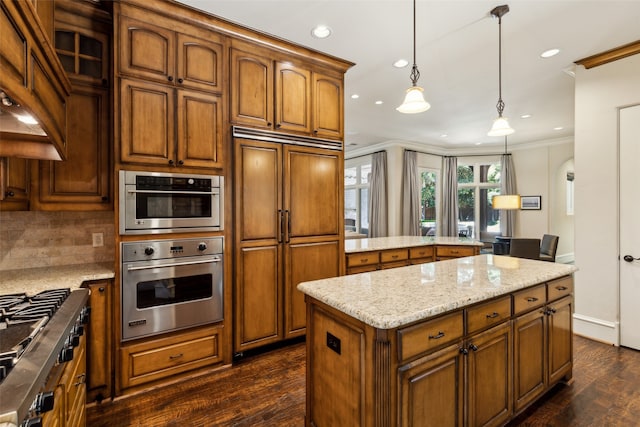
(269, 390)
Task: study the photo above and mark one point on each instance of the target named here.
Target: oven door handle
(175, 264)
(217, 191)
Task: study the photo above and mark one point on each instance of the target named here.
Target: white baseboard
(566, 258)
(597, 329)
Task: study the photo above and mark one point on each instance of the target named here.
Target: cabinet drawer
(559, 288)
(421, 252)
(529, 299)
(394, 264)
(420, 338)
(488, 314)
(394, 255)
(455, 251)
(362, 269)
(166, 357)
(362, 258)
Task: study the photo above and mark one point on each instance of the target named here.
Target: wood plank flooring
(269, 390)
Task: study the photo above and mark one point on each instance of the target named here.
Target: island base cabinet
(530, 369)
(560, 339)
(336, 375)
(429, 391)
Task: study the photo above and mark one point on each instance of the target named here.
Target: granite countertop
(34, 280)
(394, 242)
(387, 299)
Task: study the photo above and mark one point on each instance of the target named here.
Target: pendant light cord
(500, 104)
(415, 74)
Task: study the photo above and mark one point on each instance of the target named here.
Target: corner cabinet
(171, 92)
(285, 96)
(288, 209)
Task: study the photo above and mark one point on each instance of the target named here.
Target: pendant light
(505, 201)
(414, 100)
(501, 124)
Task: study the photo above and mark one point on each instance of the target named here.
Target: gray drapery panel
(449, 225)
(507, 186)
(378, 196)
(410, 194)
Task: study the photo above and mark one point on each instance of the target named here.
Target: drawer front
(488, 314)
(362, 269)
(394, 264)
(559, 288)
(421, 252)
(455, 251)
(362, 258)
(394, 255)
(423, 337)
(529, 299)
(174, 355)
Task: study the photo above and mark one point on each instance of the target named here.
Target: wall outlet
(97, 240)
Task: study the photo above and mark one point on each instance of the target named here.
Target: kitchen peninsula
(467, 341)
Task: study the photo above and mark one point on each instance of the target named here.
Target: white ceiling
(457, 55)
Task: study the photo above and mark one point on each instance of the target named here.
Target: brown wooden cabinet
(171, 93)
(288, 215)
(100, 339)
(282, 95)
(14, 184)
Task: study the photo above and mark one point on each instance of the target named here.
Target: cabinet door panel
(313, 179)
(199, 63)
(199, 129)
(14, 183)
(13, 61)
(304, 262)
(529, 367)
(258, 307)
(560, 342)
(84, 176)
(328, 105)
(258, 190)
(99, 341)
(489, 396)
(147, 123)
(251, 89)
(293, 98)
(431, 392)
(146, 50)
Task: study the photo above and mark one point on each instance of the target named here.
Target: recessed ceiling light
(321, 32)
(525, 116)
(355, 96)
(379, 102)
(401, 63)
(478, 143)
(444, 135)
(558, 128)
(549, 53)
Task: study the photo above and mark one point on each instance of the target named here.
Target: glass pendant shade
(500, 127)
(414, 101)
(506, 201)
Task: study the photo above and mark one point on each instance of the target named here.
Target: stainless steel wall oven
(155, 202)
(170, 284)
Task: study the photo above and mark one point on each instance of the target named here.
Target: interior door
(629, 227)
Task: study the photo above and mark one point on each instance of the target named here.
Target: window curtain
(449, 225)
(378, 196)
(410, 194)
(507, 186)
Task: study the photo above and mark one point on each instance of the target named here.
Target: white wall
(599, 93)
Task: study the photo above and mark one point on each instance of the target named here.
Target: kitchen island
(467, 341)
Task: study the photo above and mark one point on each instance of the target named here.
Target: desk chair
(525, 248)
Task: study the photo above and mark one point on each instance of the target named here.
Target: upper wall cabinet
(152, 52)
(280, 95)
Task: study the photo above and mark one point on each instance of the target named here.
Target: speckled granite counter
(391, 298)
(34, 280)
(382, 243)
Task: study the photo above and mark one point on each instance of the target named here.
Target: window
(477, 184)
(356, 197)
(428, 198)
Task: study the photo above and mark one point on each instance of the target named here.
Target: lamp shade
(506, 201)
(414, 101)
(500, 127)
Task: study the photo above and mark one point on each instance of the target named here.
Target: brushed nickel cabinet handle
(176, 356)
(532, 299)
(436, 337)
(492, 315)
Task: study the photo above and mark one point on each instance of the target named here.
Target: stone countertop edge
(34, 280)
(396, 242)
(387, 299)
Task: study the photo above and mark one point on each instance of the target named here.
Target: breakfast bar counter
(467, 341)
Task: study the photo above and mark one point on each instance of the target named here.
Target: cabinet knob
(101, 289)
(9, 193)
(171, 162)
(104, 198)
(473, 347)
(315, 131)
(180, 80)
(269, 124)
(278, 125)
(181, 162)
(170, 78)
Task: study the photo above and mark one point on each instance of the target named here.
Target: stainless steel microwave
(156, 202)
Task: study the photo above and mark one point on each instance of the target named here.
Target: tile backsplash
(31, 239)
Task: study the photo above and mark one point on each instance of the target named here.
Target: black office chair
(525, 248)
(548, 247)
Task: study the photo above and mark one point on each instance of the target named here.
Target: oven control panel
(166, 249)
